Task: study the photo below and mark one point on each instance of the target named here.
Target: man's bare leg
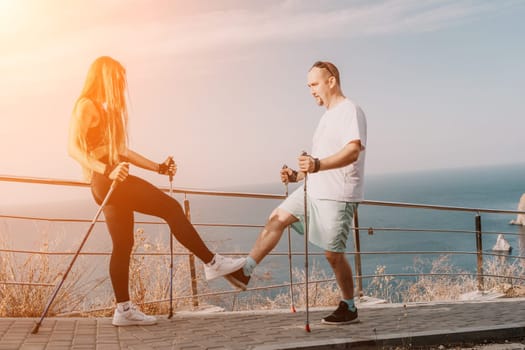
(346, 312)
(265, 243)
(343, 273)
(271, 234)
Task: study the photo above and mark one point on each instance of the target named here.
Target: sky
(221, 85)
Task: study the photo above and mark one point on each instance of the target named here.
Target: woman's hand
(169, 167)
(288, 175)
(120, 172)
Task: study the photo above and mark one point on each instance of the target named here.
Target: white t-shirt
(338, 126)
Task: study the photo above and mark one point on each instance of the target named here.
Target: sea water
(393, 230)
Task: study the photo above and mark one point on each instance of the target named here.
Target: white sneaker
(132, 317)
(221, 266)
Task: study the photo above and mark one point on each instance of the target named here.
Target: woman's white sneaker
(129, 315)
(221, 266)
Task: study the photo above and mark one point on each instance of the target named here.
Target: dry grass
(444, 285)
(438, 287)
(385, 287)
(29, 300)
(150, 276)
(149, 283)
(319, 294)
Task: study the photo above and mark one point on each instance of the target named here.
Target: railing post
(479, 249)
(191, 257)
(357, 255)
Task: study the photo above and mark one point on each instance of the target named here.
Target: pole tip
(35, 328)
(292, 309)
(307, 328)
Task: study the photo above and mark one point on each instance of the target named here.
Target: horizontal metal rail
(282, 254)
(59, 182)
(439, 207)
(285, 285)
(400, 229)
(69, 220)
(373, 229)
(389, 252)
(32, 284)
(479, 253)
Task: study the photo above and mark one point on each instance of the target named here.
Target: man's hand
(306, 163)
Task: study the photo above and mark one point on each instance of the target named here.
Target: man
(335, 186)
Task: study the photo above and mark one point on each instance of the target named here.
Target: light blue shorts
(329, 221)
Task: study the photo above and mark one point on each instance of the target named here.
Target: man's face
(319, 84)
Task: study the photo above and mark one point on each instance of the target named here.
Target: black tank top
(95, 136)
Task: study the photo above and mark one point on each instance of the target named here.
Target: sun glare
(10, 16)
(5, 5)
(6, 8)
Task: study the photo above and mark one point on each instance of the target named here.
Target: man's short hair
(330, 67)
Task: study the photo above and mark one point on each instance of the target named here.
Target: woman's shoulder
(86, 108)
(84, 103)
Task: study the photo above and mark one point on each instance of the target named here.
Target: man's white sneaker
(221, 266)
(132, 317)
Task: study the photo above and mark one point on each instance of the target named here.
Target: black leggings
(136, 194)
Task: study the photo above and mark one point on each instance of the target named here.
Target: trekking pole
(59, 284)
(307, 326)
(292, 306)
(170, 314)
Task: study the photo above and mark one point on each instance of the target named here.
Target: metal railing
(477, 224)
(357, 253)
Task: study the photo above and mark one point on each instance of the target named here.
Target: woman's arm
(140, 161)
(168, 167)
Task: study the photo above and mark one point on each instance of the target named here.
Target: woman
(98, 141)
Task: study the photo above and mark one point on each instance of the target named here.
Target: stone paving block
(37, 337)
(107, 347)
(13, 339)
(53, 344)
(82, 339)
(107, 338)
(10, 346)
(61, 338)
(161, 345)
(141, 347)
(33, 347)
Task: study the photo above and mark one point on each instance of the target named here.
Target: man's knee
(334, 258)
(279, 219)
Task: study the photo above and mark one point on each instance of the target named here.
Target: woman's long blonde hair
(106, 87)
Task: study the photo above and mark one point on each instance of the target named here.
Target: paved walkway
(382, 326)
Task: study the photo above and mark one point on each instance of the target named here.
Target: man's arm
(346, 156)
